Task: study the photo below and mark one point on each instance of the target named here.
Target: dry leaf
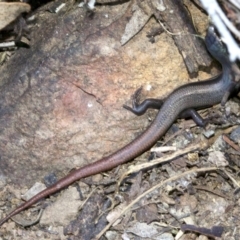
(136, 23)
(10, 11)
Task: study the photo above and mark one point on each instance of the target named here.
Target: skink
(187, 97)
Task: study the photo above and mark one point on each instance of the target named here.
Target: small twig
(211, 191)
(174, 178)
(89, 195)
(233, 180)
(178, 33)
(7, 44)
(231, 143)
(139, 167)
